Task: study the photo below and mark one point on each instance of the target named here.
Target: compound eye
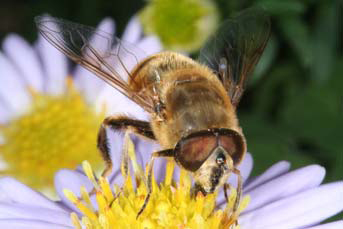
(220, 160)
(192, 152)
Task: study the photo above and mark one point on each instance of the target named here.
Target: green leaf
(297, 34)
(270, 144)
(287, 7)
(271, 91)
(324, 42)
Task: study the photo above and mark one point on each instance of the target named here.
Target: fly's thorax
(151, 71)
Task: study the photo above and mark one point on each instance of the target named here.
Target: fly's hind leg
(120, 123)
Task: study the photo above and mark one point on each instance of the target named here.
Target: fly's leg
(239, 192)
(120, 123)
(148, 185)
(235, 210)
(163, 153)
(124, 165)
(226, 187)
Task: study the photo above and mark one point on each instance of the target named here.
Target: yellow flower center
(170, 205)
(58, 132)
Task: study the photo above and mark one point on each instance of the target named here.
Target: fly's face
(214, 172)
(210, 155)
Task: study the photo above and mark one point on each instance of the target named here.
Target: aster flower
(182, 26)
(279, 198)
(49, 114)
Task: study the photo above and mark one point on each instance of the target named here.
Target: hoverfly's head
(211, 156)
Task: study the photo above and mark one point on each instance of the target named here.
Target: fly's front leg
(120, 123)
(239, 191)
(226, 187)
(163, 153)
(235, 210)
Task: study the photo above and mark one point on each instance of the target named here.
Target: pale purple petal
(116, 103)
(107, 25)
(245, 168)
(71, 180)
(144, 149)
(150, 45)
(13, 191)
(26, 60)
(332, 225)
(133, 31)
(115, 143)
(23, 211)
(30, 224)
(160, 170)
(5, 113)
(289, 184)
(14, 96)
(303, 209)
(55, 66)
(88, 83)
(274, 171)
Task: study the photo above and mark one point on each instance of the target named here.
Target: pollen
(57, 132)
(170, 205)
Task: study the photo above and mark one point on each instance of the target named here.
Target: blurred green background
(293, 107)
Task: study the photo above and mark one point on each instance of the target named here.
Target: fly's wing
(102, 53)
(236, 48)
